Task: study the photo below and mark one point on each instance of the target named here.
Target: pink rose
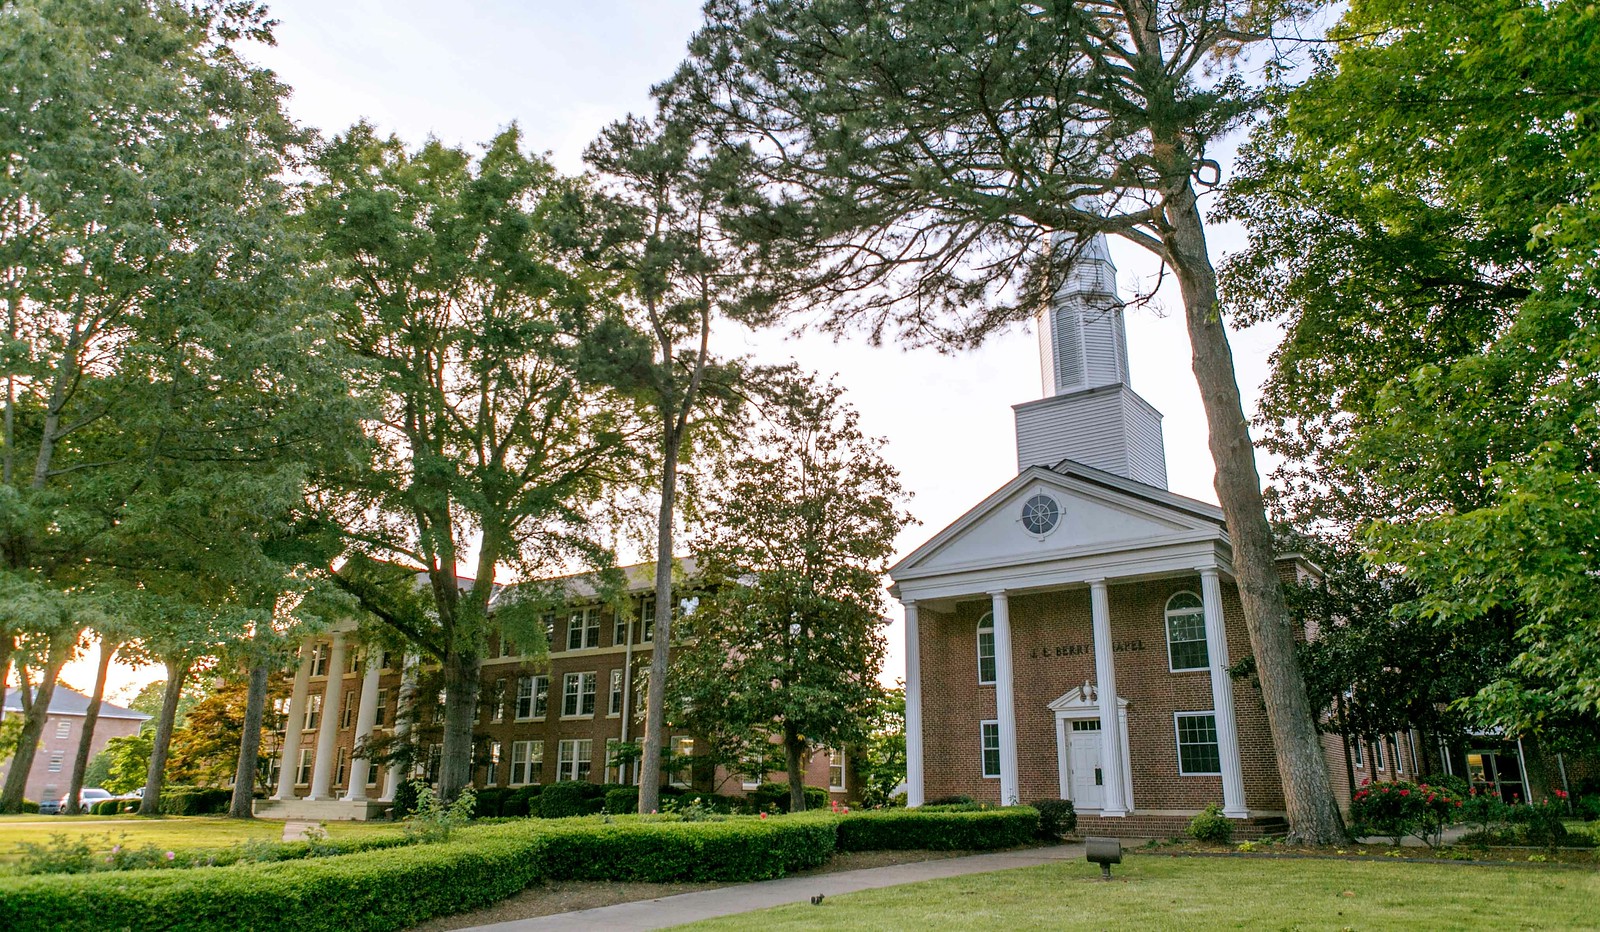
(170, 855)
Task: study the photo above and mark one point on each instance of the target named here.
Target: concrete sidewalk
(726, 901)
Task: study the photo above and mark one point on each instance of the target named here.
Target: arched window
(986, 648)
(1186, 633)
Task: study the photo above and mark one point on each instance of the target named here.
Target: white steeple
(1089, 413)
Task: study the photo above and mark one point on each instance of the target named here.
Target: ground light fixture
(1104, 852)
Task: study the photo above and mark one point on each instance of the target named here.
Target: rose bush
(1401, 809)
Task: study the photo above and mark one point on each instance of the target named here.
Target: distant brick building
(51, 773)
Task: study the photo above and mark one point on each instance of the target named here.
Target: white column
(1112, 778)
(1005, 704)
(402, 720)
(1233, 805)
(914, 785)
(366, 718)
(291, 728)
(328, 728)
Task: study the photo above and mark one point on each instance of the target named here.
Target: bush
(1457, 785)
(405, 800)
(522, 801)
(1539, 824)
(491, 802)
(566, 799)
(104, 807)
(1057, 818)
(1587, 808)
(915, 830)
(28, 806)
(194, 800)
(957, 800)
(1211, 825)
(398, 888)
(622, 800)
(1400, 809)
(774, 797)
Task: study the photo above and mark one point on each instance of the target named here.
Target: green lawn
(170, 832)
(1152, 892)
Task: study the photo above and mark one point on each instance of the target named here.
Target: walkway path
(726, 901)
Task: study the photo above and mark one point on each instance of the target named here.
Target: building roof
(68, 701)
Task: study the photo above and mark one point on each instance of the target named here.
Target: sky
(562, 70)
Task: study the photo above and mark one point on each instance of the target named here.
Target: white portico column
(1233, 805)
(328, 728)
(291, 728)
(1105, 682)
(402, 720)
(1005, 702)
(366, 717)
(914, 791)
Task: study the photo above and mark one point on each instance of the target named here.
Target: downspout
(627, 692)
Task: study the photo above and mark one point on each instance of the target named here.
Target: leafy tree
(788, 641)
(206, 750)
(880, 761)
(1422, 219)
(936, 168)
(464, 295)
(129, 760)
(684, 276)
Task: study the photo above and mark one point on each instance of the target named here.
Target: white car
(86, 798)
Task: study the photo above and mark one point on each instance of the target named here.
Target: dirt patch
(547, 899)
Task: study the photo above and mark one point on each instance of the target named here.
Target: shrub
(434, 819)
(1457, 785)
(523, 801)
(491, 802)
(405, 800)
(194, 800)
(622, 800)
(1587, 808)
(770, 797)
(957, 800)
(1057, 818)
(1211, 825)
(566, 799)
(398, 888)
(105, 807)
(1484, 810)
(1400, 809)
(28, 806)
(913, 829)
(1539, 823)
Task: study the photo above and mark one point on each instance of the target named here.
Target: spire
(1082, 340)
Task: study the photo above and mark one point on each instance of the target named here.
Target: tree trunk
(794, 754)
(156, 776)
(80, 763)
(244, 777)
(655, 704)
(461, 670)
(33, 724)
(1308, 792)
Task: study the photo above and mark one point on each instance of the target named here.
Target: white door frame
(1080, 703)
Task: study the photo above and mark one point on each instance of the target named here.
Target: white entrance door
(1083, 751)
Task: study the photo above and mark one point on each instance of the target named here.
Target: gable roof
(1100, 514)
(68, 701)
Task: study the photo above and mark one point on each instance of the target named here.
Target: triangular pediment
(1093, 516)
(1082, 699)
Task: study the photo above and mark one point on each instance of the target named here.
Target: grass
(1153, 892)
(168, 832)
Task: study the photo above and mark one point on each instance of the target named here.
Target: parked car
(88, 797)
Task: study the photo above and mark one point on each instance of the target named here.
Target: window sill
(578, 718)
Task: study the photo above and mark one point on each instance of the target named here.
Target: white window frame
(984, 748)
(319, 660)
(578, 693)
(585, 623)
(64, 729)
(1380, 752)
(382, 707)
(620, 623)
(1399, 755)
(614, 698)
(302, 770)
(575, 759)
(1357, 755)
(986, 624)
(57, 758)
(341, 766)
(313, 716)
(1167, 617)
(1177, 739)
(613, 772)
(527, 762)
(497, 712)
(347, 710)
(492, 778)
(682, 745)
(836, 762)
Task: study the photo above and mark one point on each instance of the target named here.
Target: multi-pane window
(614, 706)
(613, 768)
(1378, 755)
(989, 743)
(577, 694)
(352, 662)
(573, 759)
(641, 693)
(1198, 754)
(319, 660)
(497, 701)
(619, 627)
(533, 695)
(493, 776)
(986, 648)
(63, 729)
(382, 717)
(1186, 633)
(347, 710)
(647, 618)
(55, 761)
(1356, 755)
(583, 629)
(313, 713)
(506, 647)
(527, 761)
(302, 773)
(836, 769)
(432, 773)
(341, 768)
(549, 620)
(682, 750)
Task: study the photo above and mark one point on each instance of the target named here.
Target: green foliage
(1587, 808)
(622, 800)
(65, 854)
(28, 806)
(523, 801)
(1057, 818)
(774, 797)
(399, 887)
(912, 829)
(1540, 823)
(1399, 809)
(491, 802)
(195, 800)
(956, 800)
(880, 765)
(129, 761)
(570, 798)
(1211, 825)
(433, 820)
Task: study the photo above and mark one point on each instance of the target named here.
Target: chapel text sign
(1075, 650)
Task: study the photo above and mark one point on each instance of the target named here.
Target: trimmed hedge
(195, 800)
(571, 798)
(1057, 818)
(396, 888)
(622, 800)
(909, 829)
(769, 796)
(523, 801)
